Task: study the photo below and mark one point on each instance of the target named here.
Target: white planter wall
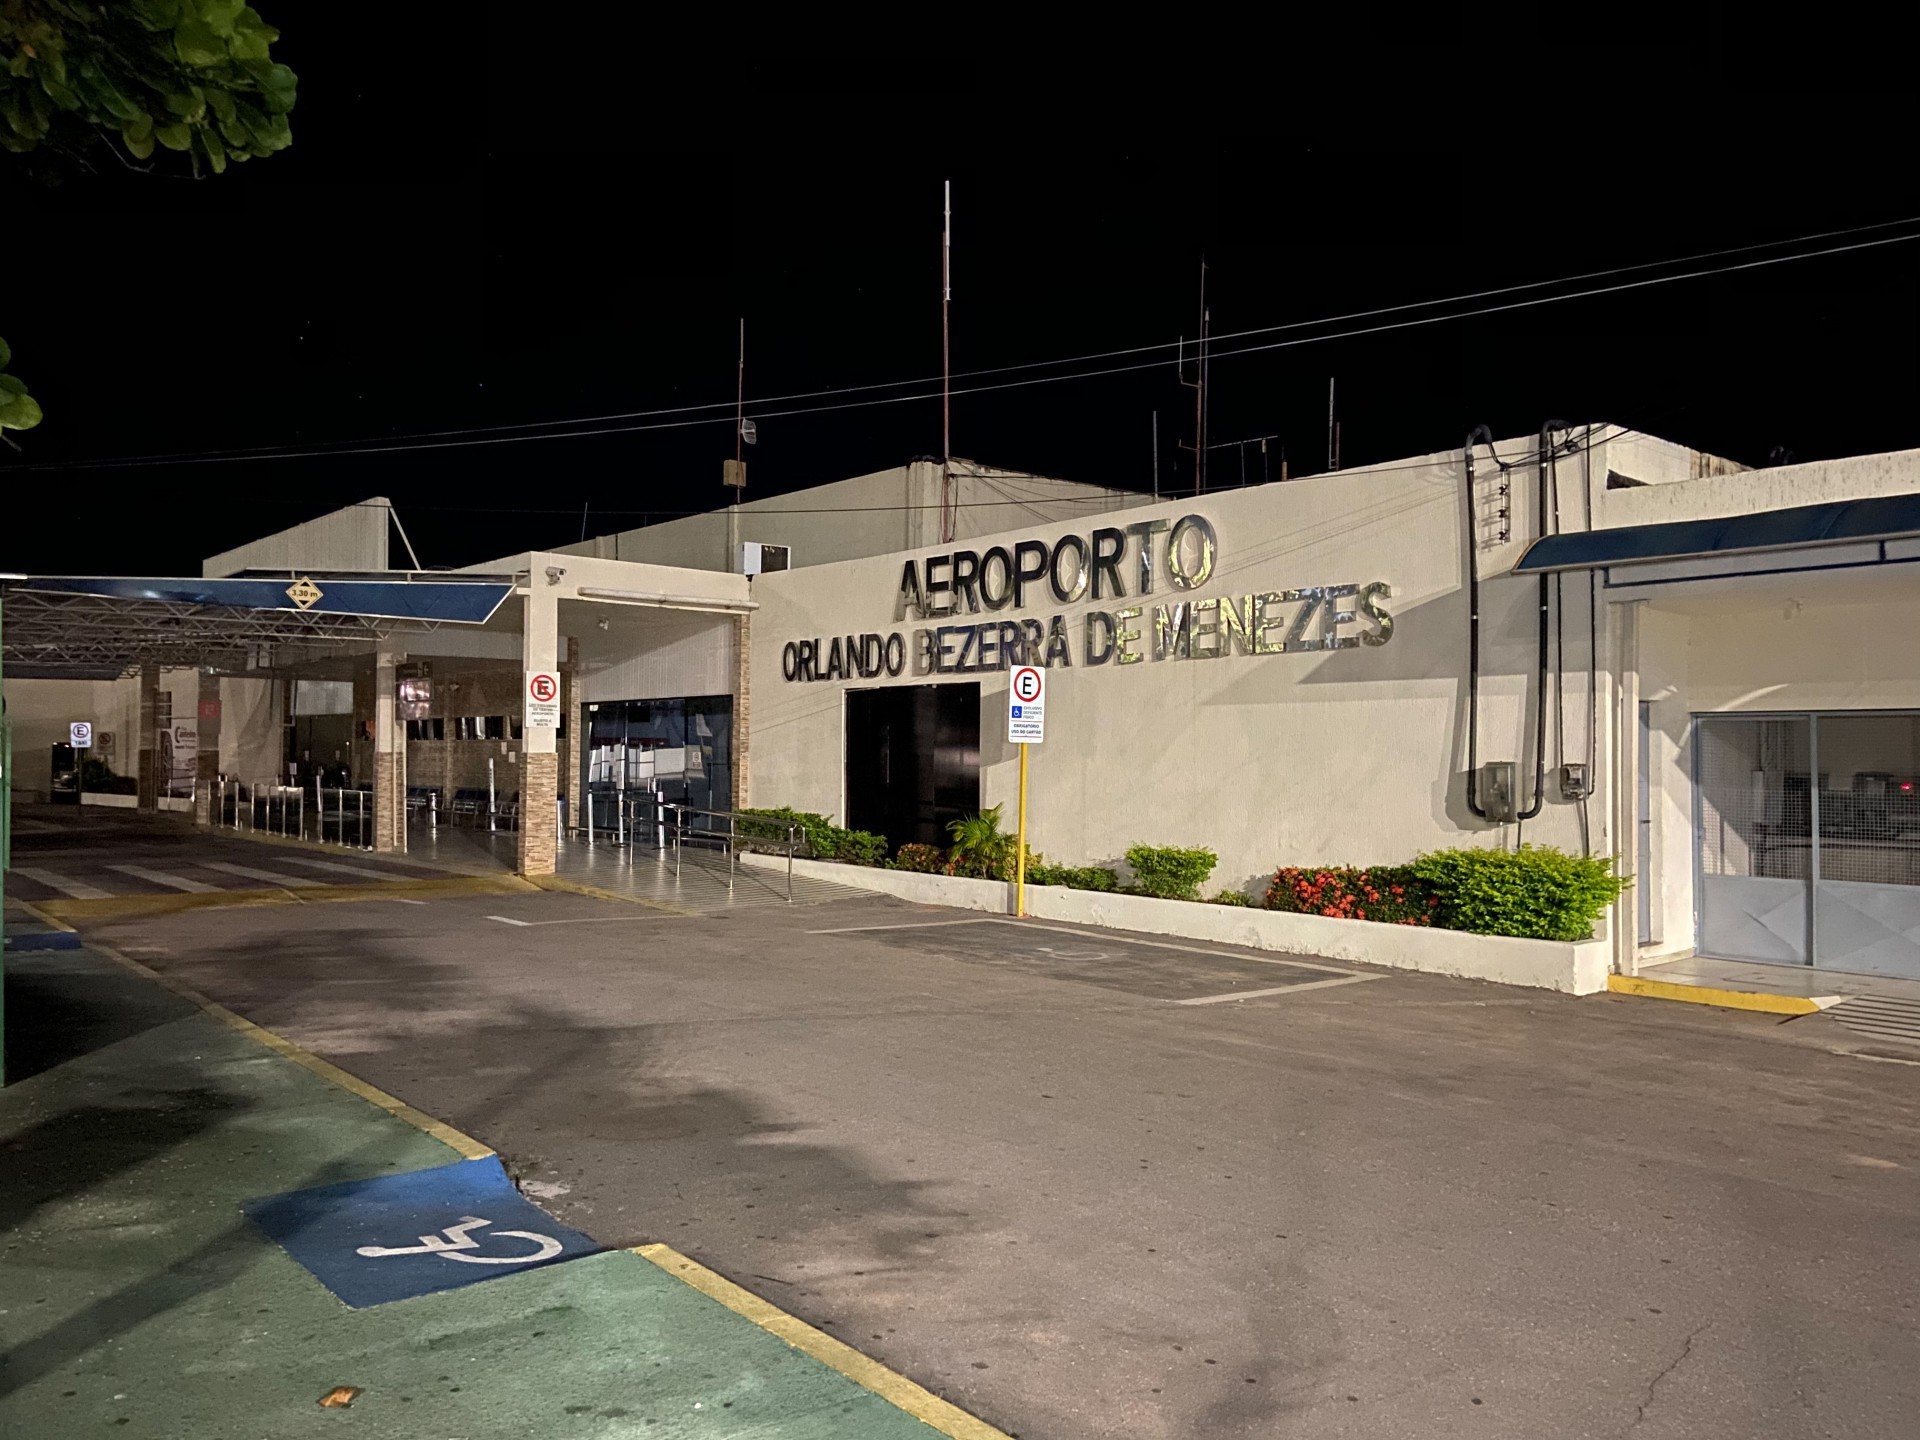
(1571, 968)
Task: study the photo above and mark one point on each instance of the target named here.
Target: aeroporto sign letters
(1112, 563)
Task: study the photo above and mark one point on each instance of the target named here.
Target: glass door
(1753, 837)
(1867, 890)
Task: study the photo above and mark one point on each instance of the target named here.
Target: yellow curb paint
(863, 1370)
(464, 1145)
(127, 907)
(33, 908)
(1725, 999)
(594, 892)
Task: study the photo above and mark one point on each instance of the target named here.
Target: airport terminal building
(1587, 638)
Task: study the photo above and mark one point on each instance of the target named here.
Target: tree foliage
(193, 77)
(18, 410)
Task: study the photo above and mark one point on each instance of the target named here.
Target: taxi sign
(80, 735)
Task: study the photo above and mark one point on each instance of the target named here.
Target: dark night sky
(454, 242)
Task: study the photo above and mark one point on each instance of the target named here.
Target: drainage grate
(1881, 1017)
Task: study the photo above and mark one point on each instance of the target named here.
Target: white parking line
(247, 872)
(1279, 990)
(77, 889)
(576, 920)
(161, 877)
(360, 870)
(913, 925)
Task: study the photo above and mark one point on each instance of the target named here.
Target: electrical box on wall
(1575, 782)
(1496, 790)
(758, 559)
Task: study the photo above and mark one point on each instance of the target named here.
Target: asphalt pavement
(1008, 1161)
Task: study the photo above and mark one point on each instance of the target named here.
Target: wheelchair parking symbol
(459, 1239)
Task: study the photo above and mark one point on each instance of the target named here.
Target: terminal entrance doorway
(1807, 839)
(913, 760)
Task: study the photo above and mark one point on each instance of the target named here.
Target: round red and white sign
(544, 688)
(1027, 684)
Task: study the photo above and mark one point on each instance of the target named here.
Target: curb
(863, 1370)
(128, 907)
(594, 892)
(1756, 1000)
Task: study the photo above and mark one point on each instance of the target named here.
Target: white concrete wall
(252, 744)
(353, 538)
(41, 710)
(867, 515)
(654, 655)
(1348, 756)
(1857, 477)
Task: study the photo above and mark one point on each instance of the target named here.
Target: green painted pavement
(136, 1301)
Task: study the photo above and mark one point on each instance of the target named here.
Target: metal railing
(677, 831)
(329, 815)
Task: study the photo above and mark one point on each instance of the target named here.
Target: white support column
(389, 758)
(1624, 618)
(539, 751)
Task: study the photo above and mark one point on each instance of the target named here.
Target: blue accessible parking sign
(397, 1236)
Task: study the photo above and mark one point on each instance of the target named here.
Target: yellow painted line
(863, 1370)
(1726, 999)
(574, 887)
(462, 1144)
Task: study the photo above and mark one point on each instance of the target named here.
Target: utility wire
(490, 435)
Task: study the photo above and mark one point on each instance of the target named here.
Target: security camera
(554, 572)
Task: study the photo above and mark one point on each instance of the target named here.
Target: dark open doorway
(913, 760)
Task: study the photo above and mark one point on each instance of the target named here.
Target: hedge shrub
(1535, 892)
(824, 839)
(1389, 894)
(921, 859)
(1074, 877)
(1169, 871)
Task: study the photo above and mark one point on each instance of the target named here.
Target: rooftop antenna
(946, 363)
(1333, 431)
(1199, 387)
(734, 472)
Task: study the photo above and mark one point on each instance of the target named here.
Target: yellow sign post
(1020, 855)
(1026, 724)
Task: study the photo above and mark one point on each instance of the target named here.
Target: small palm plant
(980, 848)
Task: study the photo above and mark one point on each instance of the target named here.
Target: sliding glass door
(1807, 839)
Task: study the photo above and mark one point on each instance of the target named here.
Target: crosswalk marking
(360, 870)
(78, 889)
(161, 877)
(247, 872)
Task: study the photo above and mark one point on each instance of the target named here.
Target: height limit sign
(1027, 706)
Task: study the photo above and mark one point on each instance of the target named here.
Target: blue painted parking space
(397, 1236)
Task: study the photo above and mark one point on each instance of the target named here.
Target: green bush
(816, 830)
(1073, 877)
(1388, 894)
(1535, 892)
(860, 847)
(1170, 872)
(1230, 897)
(921, 859)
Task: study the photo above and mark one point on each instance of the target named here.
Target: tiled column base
(539, 786)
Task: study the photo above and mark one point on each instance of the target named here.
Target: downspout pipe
(1479, 434)
(1540, 679)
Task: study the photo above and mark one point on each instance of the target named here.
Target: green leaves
(194, 77)
(18, 409)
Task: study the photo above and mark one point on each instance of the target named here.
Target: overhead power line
(690, 416)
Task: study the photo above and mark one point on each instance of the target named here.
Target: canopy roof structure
(98, 627)
(1869, 522)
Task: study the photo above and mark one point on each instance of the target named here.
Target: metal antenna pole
(1200, 394)
(946, 363)
(1333, 449)
(1156, 454)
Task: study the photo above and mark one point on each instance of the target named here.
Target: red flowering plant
(1389, 894)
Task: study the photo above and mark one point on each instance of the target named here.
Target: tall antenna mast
(1333, 432)
(946, 363)
(1200, 395)
(740, 396)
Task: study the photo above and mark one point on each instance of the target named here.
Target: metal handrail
(732, 837)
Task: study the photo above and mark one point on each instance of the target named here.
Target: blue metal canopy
(1839, 522)
(463, 602)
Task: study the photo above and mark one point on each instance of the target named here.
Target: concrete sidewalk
(136, 1299)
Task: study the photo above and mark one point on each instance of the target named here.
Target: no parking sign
(1027, 706)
